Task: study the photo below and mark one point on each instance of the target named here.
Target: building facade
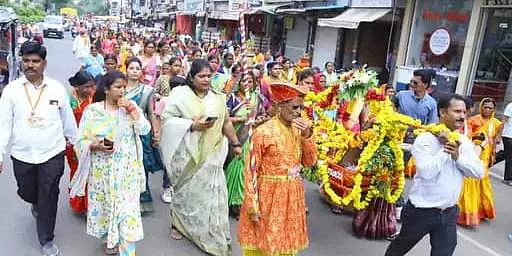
(468, 43)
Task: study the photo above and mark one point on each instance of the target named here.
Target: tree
(27, 14)
(58, 4)
(92, 6)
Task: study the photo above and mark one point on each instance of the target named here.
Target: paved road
(329, 234)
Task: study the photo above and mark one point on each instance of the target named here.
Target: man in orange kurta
(273, 215)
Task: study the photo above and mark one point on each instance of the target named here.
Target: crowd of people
(227, 128)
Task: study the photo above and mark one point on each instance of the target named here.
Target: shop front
(491, 72)
(184, 24)
(297, 31)
(367, 32)
(436, 40)
(468, 43)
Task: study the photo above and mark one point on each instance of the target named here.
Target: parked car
(53, 26)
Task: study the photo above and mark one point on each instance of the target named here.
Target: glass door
(493, 70)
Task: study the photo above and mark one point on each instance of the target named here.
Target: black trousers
(38, 184)
(417, 222)
(507, 145)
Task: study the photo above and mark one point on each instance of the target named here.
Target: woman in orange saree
(81, 97)
(476, 200)
(273, 215)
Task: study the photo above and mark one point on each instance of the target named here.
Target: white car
(53, 26)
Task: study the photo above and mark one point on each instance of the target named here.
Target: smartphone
(211, 118)
(108, 143)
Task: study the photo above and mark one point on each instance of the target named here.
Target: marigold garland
(437, 129)
(381, 142)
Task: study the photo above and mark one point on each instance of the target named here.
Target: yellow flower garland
(388, 126)
(437, 129)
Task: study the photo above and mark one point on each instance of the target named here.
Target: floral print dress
(115, 180)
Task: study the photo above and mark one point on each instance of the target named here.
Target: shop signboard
(497, 3)
(439, 42)
(193, 5)
(270, 2)
(372, 3)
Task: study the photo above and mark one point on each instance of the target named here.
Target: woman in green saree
(244, 103)
(195, 124)
(143, 95)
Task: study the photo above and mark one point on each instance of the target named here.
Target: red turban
(281, 92)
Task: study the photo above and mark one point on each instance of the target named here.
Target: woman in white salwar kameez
(195, 125)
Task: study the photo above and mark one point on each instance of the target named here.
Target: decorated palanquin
(361, 165)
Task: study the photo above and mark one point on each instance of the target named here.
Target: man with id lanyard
(35, 112)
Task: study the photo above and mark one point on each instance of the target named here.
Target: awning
(291, 10)
(352, 17)
(326, 7)
(225, 15)
(162, 15)
(311, 8)
(271, 8)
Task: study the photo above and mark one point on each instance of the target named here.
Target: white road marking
(497, 176)
(479, 245)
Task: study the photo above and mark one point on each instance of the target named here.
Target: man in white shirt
(506, 136)
(440, 170)
(81, 44)
(36, 115)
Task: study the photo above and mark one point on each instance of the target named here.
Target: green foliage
(310, 174)
(92, 6)
(382, 165)
(58, 4)
(27, 13)
(384, 158)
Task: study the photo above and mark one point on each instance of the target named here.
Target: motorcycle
(74, 31)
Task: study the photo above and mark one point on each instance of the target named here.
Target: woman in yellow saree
(476, 200)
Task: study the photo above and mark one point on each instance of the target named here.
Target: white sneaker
(167, 195)
(398, 213)
(50, 249)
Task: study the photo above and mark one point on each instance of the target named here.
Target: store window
(492, 76)
(439, 33)
(438, 36)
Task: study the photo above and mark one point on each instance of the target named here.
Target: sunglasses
(414, 82)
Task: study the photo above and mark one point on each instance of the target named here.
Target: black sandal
(110, 251)
(507, 182)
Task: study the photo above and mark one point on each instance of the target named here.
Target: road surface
(329, 234)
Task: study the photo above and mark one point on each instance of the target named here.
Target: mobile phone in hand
(108, 143)
(211, 118)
